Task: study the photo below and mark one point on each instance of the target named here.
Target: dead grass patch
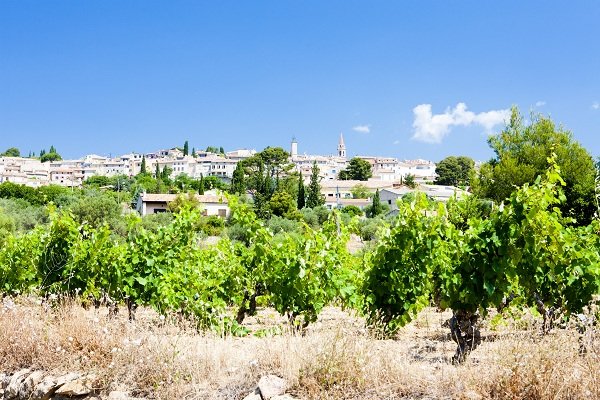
(336, 359)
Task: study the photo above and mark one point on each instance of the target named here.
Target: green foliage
(96, 208)
(212, 225)
(409, 181)
(376, 207)
(263, 172)
(188, 201)
(455, 171)
(279, 224)
(301, 203)
(358, 169)
(398, 282)
(370, 228)
(51, 156)
(521, 153)
(186, 148)
(477, 258)
(238, 185)
(282, 204)
(313, 196)
(360, 191)
(143, 165)
(11, 152)
(315, 217)
(352, 211)
(97, 181)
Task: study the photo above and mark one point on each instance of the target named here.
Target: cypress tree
(194, 152)
(186, 148)
(157, 172)
(314, 198)
(376, 207)
(201, 185)
(238, 185)
(143, 165)
(301, 194)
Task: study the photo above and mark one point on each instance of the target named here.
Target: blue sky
(408, 79)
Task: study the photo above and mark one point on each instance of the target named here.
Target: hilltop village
(388, 174)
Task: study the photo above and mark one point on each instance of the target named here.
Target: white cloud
(540, 103)
(432, 128)
(596, 105)
(362, 128)
(396, 142)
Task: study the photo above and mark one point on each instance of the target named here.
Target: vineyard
(461, 256)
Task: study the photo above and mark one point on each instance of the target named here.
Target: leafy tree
(360, 191)
(51, 156)
(184, 202)
(221, 150)
(237, 181)
(166, 173)
(52, 149)
(264, 171)
(97, 181)
(186, 148)
(301, 194)
(409, 180)
(11, 152)
(96, 208)
(454, 171)
(352, 210)
(314, 197)
(358, 169)
(282, 204)
(214, 182)
(522, 152)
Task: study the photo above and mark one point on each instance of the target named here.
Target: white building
(149, 203)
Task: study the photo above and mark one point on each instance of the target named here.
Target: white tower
(341, 147)
(294, 149)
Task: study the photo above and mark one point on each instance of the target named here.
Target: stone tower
(294, 148)
(341, 147)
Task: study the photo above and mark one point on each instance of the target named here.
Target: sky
(405, 79)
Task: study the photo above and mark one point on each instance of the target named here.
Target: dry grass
(336, 359)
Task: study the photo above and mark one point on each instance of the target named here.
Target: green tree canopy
(51, 156)
(360, 191)
(282, 204)
(358, 169)
(521, 154)
(11, 152)
(454, 171)
(263, 173)
(409, 180)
